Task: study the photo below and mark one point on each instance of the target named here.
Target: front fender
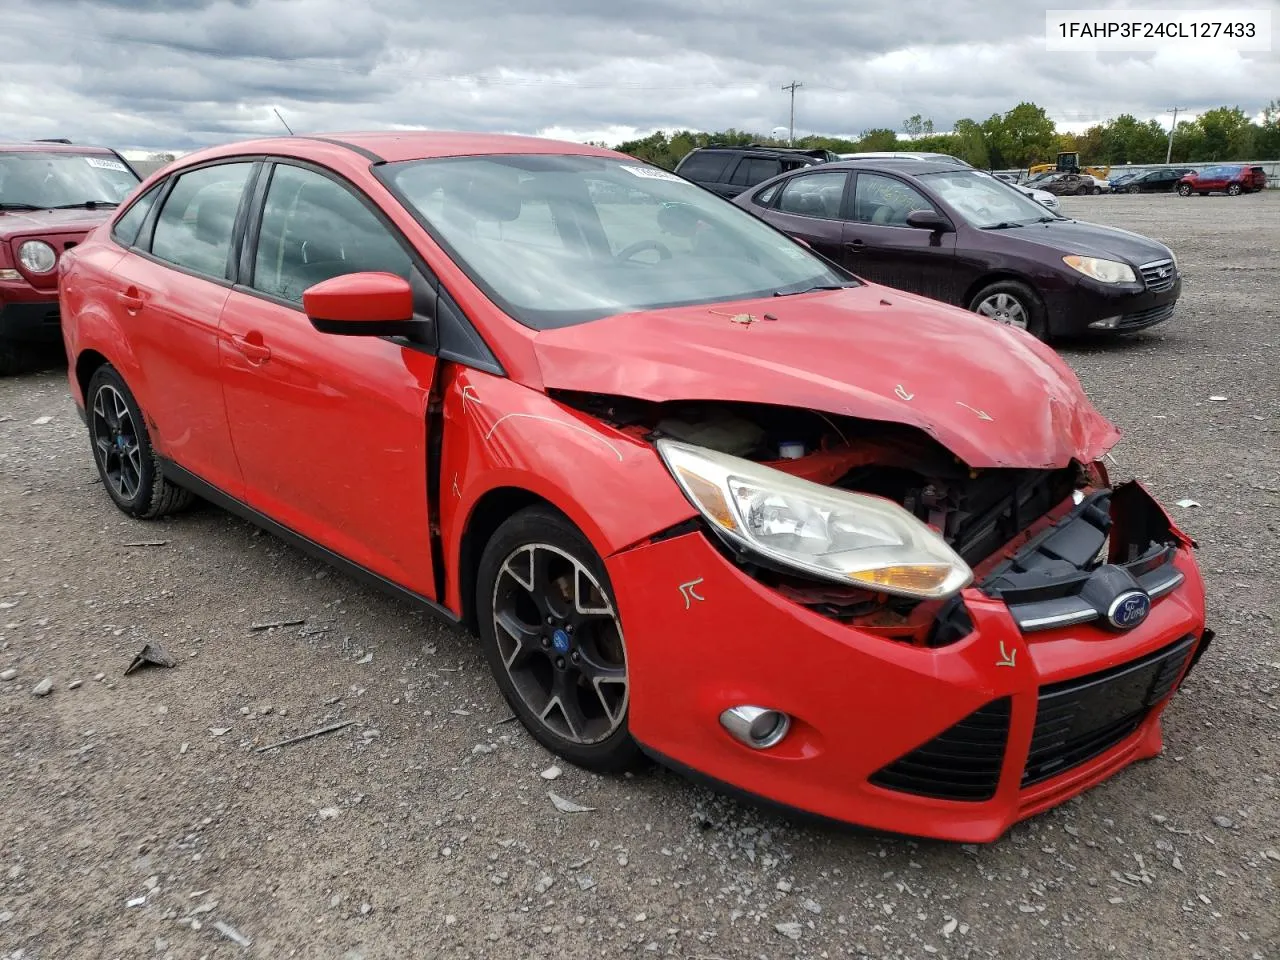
(499, 434)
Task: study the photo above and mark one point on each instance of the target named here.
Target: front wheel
(1135, 189)
(1184, 190)
(1013, 304)
(127, 464)
(1096, 190)
(553, 639)
(1233, 190)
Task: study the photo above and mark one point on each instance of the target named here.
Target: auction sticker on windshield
(102, 163)
(649, 173)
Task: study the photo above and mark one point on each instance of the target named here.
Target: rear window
(705, 166)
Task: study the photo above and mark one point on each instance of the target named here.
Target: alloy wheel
(115, 442)
(1004, 308)
(560, 642)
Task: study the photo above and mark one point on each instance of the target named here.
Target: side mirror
(361, 305)
(928, 220)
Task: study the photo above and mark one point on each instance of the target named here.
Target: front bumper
(703, 636)
(1073, 311)
(30, 321)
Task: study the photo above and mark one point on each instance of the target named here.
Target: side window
(708, 167)
(753, 170)
(886, 201)
(125, 231)
(313, 229)
(813, 195)
(198, 217)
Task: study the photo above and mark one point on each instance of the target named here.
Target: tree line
(1020, 138)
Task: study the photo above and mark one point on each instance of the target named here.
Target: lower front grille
(1077, 720)
(1145, 318)
(961, 763)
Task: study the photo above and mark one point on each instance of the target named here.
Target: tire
(1001, 292)
(560, 662)
(1184, 190)
(129, 468)
(1233, 190)
(1080, 191)
(1135, 189)
(1095, 190)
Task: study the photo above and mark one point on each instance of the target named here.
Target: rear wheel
(127, 464)
(1014, 304)
(1184, 190)
(1096, 190)
(553, 639)
(1233, 190)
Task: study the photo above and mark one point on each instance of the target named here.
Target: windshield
(560, 239)
(41, 181)
(984, 201)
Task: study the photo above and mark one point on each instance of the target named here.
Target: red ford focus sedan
(700, 493)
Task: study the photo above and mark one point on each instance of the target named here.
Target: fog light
(7, 273)
(757, 727)
(1107, 323)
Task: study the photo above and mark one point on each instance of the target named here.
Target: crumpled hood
(995, 397)
(15, 223)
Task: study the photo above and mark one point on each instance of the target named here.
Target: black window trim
(155, 191)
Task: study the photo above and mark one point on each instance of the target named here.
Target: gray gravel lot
(136, 820)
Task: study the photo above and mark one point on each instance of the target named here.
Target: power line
(793, 86)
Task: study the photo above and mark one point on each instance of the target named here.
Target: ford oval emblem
(1129, 609)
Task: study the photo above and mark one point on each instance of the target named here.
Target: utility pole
(793, 86)
(1168, 155)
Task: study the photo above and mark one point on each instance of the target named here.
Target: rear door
(330, 431)
(809, 207)
(879, 246)
(707, 168)
(750, 171)
(169, 292)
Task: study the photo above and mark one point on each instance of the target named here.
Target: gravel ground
(136, 819)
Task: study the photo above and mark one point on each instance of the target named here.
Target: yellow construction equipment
(1068, 163)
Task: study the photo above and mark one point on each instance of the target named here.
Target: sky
(174, 75)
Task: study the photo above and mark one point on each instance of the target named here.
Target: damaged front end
(1057, 545)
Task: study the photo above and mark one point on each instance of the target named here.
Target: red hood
(993, 396)
(23, 222)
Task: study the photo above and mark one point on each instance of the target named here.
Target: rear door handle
(130, 299)
(855, 246)
(255, 352)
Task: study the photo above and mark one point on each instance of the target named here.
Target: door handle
(130, 299)
(855, 246)
(254, 350)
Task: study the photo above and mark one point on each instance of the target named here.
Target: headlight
(1104, 271)
(37, 256)
(850, 538)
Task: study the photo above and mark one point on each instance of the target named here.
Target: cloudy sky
(177, 74)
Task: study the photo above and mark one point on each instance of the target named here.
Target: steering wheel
(640, 246)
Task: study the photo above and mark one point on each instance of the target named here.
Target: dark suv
(729, 171)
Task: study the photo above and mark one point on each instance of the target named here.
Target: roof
(396, 145)
(30, 146)
(900, 165)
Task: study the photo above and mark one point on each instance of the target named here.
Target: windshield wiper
(815, 288)
(87, 204)
(1003, 225)
(18, 206)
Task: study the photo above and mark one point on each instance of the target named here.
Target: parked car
(1069, 184)
(1231, 179)
(904, 155)
(963, 237)
(1011, 178)
(1151, 181)
(636, 448)
(728, 171)
(1042, 197)
(51, 194)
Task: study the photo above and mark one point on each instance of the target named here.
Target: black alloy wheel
(554, 640)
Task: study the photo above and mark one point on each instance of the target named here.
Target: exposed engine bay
(984, 515)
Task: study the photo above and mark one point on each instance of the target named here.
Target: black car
(729, 171)
(966, 238)
(1153, 181)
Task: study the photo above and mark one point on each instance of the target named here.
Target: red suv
(1231, 179)
(51, 194)
(700, 492)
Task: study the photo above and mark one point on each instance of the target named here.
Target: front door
(330, 431)
(879, 246)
